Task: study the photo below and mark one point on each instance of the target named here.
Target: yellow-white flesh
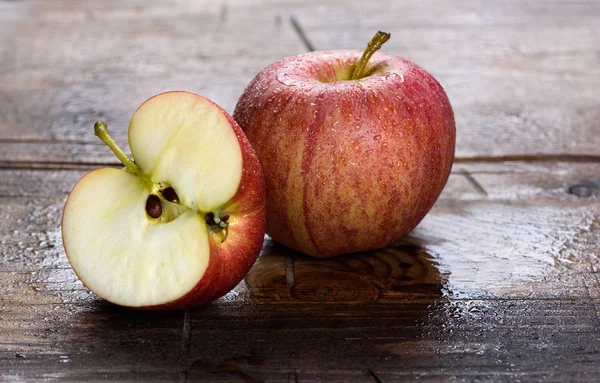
(180, 138)
(119, 253)
(116, 249)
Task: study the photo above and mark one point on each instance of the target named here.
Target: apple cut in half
(183, 223)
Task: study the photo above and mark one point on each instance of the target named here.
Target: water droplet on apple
(377, 137)
(286, 79)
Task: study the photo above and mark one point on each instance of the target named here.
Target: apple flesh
(183, 224)
(350, 164)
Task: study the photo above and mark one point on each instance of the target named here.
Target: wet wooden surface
(498, 283)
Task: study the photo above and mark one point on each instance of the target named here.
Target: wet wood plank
(55, 83)
(496, 285)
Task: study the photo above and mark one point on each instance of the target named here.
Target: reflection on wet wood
(449, 295)
(401, 268)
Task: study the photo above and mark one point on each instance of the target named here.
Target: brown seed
(170, 195)
(153, 206)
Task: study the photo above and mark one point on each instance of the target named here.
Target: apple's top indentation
(347, 69)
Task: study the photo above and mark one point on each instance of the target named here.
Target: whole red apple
(180, 226)
(355, 150)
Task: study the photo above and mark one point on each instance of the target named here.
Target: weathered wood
(495, 285)
(519, 85)
(105, 60)
(498, 283)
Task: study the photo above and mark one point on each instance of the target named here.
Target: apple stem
(376, 42)
(101, 130)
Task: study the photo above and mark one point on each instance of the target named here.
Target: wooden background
(498, 283)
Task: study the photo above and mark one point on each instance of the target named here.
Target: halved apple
(180, 226)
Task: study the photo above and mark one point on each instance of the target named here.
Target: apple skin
(229, 261)
(350, 165)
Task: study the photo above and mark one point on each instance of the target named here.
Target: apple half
(179, 226)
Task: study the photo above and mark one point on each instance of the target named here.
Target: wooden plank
(519, 85)
(491, 286)
(265, 342)
(482, 338)
(498, 283)
(64, 67)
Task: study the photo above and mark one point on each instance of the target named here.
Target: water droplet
(286, 79)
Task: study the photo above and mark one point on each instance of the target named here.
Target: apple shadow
(293, 317)
(403, 270)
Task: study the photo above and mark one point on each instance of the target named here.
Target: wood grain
(519, 85)
(498, 283)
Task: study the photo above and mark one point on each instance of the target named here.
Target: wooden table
(498, 283)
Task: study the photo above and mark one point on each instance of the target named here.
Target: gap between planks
(530, 158)
(83, 165)
(186, 337)
(290, 270)
(308, 45)
(373, 375)
(480, 189)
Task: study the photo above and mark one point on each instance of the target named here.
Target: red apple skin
(230, 260)
(349, 165)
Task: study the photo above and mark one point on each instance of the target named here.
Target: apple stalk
(374, 45)
(101, 131)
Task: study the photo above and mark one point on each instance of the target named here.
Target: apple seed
(170, 195)
(153, 206)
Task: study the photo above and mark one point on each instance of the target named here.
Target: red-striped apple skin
(349, 165)
(231, 260)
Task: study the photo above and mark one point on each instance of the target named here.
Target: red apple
(180, 226)
(355, 152)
